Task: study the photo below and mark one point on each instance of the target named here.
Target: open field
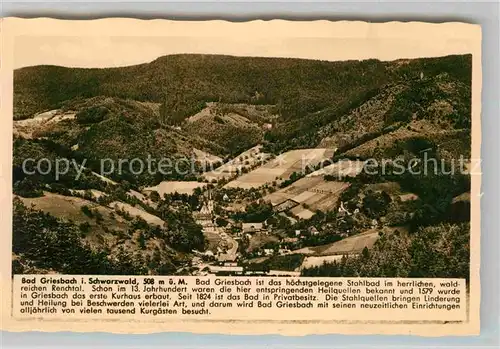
(240, 112)
(211, 110)
(281, 167)
(452, 143)
(342, 168)
(136, 211)
(131, 192)
(259, 239)
(227, 129)
(27, 127)
(393, 189)
(104, 179)
(302, 212)
(170, 187)
(351, 245)
(248, 159)
(213, 240)
(70, 208)
(308, 195)
(205, 158)
(257, 260)
(141, 197)
(96, 194)
(312, 261)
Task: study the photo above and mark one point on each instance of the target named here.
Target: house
(343, 210)
(225, 270)
(283, 251)
(268, 251)
(252, 227)
(313, 231)
(291, 240)
(255, 272)
(297, 232)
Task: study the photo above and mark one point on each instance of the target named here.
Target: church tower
(210, 203)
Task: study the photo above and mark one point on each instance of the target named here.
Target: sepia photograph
(197, 164)
(279, 177)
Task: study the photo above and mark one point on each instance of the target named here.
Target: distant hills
(188, 81)
(219, 107)
(224, 103)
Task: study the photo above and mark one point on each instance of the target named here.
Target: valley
(266, 170)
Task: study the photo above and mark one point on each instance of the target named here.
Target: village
(224, 260)
(242, 246)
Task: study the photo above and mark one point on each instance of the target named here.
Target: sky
(113, 46)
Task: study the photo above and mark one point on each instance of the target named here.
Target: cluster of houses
(226, 259)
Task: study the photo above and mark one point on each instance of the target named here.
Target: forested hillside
(186, 82)
(232, 110)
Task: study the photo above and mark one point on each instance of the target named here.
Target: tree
(375, 204)
(221, 222)
(141, 240)
(87, 211)
(365, 253)
(27, 188)
(85, 228)
(257, 212)
(126, 264)
(154, 196)
(52, 244)
(441, 251)
(92, 115)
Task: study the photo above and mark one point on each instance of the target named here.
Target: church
(205, 216)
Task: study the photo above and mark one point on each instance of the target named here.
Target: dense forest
(440, 251)
(306, 102)
(185, 82)
(44, 243)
